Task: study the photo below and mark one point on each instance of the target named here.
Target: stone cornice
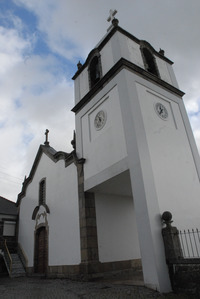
(121, 64)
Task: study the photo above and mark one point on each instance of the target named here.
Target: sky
(41, 43)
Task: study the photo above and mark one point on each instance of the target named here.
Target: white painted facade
(174, 167)
(63, 219)
(137, 165)
(160, 155)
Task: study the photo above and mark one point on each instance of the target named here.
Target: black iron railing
(22, 256)
(190, 243)
(7, 256)
(182, 251)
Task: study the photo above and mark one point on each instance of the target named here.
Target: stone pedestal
(171, 239)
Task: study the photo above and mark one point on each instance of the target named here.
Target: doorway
(41, 251)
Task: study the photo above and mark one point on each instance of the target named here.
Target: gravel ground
(39, 288)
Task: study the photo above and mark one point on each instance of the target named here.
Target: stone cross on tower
(111, 18)
(46, 140)
(112, 14)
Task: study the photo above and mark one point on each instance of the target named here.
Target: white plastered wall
(106, 58)
(63, 220)
(27, 226)
(105, 147)
(131, 51)
(175, 172)
(116, 228)
(163, 71)
(84, 83)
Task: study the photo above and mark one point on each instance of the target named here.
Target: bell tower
(140, 155)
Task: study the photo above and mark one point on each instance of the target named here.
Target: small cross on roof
(112, 14)
(46, 139)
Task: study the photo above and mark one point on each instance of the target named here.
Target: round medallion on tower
(100, 120)
(161, 111)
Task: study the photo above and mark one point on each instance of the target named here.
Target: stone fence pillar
(171, 239)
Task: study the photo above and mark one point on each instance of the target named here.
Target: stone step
(17, 274)
(18, 270)
(14, 256)
(14, 266)
(17, 267)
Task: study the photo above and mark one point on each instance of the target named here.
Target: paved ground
(39, 288)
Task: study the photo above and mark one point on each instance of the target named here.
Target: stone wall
(186, 277)
(184, 272)
(3, 270)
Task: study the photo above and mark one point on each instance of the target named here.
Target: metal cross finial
(112, 14)
(46, 140)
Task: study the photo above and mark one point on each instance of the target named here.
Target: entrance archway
(41, 250)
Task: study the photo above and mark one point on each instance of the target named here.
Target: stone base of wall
(186, 278)
(91, 271)
(71, 272)
(98, 270)
(121, 265)
(29, 271)
(129, 269)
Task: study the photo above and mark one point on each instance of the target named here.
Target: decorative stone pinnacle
(73, 142)
(167, 218)
(46, 139)
(162, 52)
(115, 22)
(79, 65)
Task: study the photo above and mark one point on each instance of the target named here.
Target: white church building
(98, 208)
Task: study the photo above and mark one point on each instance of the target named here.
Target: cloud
(35, 95)
(71, 28)
(41, 94)
(37, 62)
(12, 48)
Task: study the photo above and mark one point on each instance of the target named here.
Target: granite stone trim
(46, 247)
(64, 271)
(88, 228)
(87, 220)
(135, 264)
(145, 45)
(95, 53)
(87, 271)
